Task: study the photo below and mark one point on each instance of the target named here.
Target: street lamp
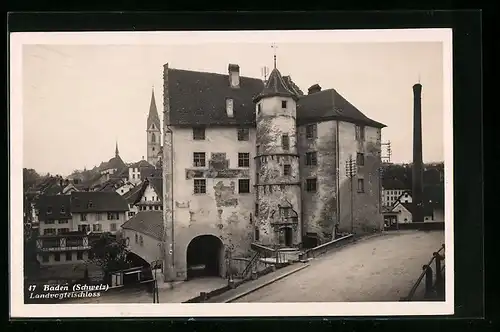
(351, 170)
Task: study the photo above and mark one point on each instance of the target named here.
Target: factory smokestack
(418, 172)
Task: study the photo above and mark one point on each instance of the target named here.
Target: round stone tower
(278, 190)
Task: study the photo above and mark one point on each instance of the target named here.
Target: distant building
(391, 191)
(67, 222)
(402, 210)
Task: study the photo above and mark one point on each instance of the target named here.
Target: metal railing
(434, 282)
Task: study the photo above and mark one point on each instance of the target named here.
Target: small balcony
(63, 242)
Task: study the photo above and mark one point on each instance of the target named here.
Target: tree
(109, 253)
(30, 177)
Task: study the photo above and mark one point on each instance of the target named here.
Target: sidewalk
(250, 286)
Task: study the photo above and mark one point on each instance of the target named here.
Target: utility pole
(387, 157)
(351, 171)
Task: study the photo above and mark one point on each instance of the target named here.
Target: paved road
(382, 268)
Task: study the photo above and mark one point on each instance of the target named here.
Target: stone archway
(204, 257)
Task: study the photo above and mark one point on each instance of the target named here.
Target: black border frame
(467, 103)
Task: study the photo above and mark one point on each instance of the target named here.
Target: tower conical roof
(117, 153)
(153, 112)
(275, 86)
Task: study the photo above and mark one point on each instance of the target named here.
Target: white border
(19, 309)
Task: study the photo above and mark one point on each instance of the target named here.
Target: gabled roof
(59, 205)
(275, 86)
(329, 104)
(141, 164)
(131, 195)
(199, 98)
(155, 183)
(148, 223)
(428, 210)
(97, 201)
(208, 107)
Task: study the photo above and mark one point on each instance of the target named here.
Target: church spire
(153, 117)
(117, 153)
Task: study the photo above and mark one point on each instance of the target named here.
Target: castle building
(247, 161)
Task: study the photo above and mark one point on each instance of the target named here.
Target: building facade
(68, 222)
(246, 161)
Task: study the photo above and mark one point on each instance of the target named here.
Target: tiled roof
(59, 205)
(147, 222)
(275, 86)
(199, 98)
(132, 194)
(212, 90)
(141, 164)
(428, 210)
(156, 183)
(101, 201)
(329, 104)
(147, 172)
(116, 163)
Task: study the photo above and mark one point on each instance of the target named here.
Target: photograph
(231, 173)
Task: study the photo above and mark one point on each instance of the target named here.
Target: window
(49, 231)
(283, 104)
(229, 107)
(259, 108)
(243, 186)
(287, 170)
(257, 235)
(113, 216)
(256, 209)
(200, 186)
(45, 258)
(243, 159)
(311, 159)
(49, 221)
(112, 227)
(360, 133)
(98, 216)
(57, 257)
(133, 176)
(90, 204)
(79, 255)
(311, 185)
(360, 159)
(69, 256)
(153, 138)
(243, 134)
(63, 230)
(311, 131)
(199, 134)
(136, 238)
(285, 142)
(157, 207)
(63, 211)
(131, 214)
(49, 209)
(361, 185)
(141, 240)
(83, 228)
(83, 217)
(199, 159)
(97, 228)
(63, 221)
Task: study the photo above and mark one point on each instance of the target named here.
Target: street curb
(234, 298)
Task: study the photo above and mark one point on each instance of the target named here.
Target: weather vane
(274, 47)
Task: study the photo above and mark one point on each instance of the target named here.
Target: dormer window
(229, 107)
(283, 104)
(90, 204)
(63, 210)
(49, 209)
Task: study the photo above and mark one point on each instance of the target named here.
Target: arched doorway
(204, 256)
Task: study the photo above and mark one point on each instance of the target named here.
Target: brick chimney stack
(418, 172)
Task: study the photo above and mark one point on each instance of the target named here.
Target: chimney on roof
(313, 89)
(234, 75)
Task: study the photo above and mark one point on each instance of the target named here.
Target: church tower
(153, 132)
(278, 189)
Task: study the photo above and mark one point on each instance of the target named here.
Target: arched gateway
(205, 256)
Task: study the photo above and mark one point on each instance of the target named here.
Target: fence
(325, 247)
(434, 282)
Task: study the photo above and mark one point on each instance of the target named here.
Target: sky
(79, 100)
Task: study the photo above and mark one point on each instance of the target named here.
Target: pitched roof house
(147, 222)
(97, 201)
